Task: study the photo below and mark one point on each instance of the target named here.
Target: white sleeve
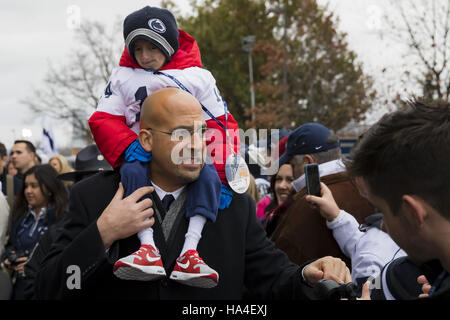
(366, 264)
(204, 88)
(118, 98)
(374, 250)
(346, 232)
(4, 218)
(112, 100)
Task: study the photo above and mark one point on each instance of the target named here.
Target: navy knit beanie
(156, 25)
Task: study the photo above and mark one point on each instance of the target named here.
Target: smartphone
(313, 180)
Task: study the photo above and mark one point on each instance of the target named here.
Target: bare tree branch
(70, 92)
(426, 35)
(445, 46)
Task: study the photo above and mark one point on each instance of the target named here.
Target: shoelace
(141, 251)
(198, 259)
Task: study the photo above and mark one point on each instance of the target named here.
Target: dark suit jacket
(37, 256)
(17, 182)
(301, 231)
(235, 246)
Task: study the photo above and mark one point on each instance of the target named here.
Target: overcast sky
(35, 32)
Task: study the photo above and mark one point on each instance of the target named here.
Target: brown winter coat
(301, 231)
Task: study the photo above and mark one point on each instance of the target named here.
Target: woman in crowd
(271, 198)
(61, 165)
(11, 169)
(41, 203)
(280, 190)
(252, 189)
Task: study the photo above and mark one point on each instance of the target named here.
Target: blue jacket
(22, 237)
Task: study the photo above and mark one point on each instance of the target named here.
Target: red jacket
(113, 136)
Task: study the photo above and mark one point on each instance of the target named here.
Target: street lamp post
(283, 11)
(247, 47)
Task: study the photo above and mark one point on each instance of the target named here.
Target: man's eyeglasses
(183, 131)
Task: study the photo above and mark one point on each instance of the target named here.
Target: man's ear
(308, 159)
(361, 185)
(146, 139)
(414, 209)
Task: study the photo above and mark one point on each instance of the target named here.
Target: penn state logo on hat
(156, 25)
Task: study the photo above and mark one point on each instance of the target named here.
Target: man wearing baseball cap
(300, 231)
(308, 139)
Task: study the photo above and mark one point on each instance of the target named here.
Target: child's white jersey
(127, 89)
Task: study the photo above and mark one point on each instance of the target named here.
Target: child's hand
(426, 287)
(327, 206)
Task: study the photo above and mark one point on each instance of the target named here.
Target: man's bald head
(162, 105)
(172, 128)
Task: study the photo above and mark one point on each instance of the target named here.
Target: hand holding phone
(326, 204)
(312, 179)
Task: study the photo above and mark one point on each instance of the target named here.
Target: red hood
(188, 55)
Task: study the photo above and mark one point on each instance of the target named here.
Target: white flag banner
(48, 145)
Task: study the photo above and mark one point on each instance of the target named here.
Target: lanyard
(234, 161)
(203, 107)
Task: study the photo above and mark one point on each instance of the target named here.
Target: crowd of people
(145, 214)
(35, 200)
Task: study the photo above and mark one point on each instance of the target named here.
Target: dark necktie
(167, 201)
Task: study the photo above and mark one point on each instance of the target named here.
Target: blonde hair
(253, 190)
(65, 167)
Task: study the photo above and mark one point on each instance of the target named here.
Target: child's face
(148, 56)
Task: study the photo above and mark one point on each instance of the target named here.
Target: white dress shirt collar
(161, 193)
(325, 169)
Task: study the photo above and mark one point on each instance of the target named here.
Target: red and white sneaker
(191, 270)
(143, 265)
